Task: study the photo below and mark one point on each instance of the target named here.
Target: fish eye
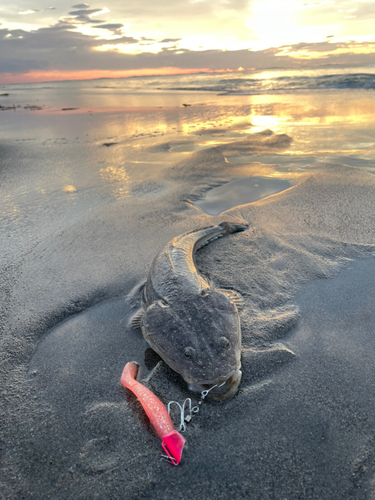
(224, 343)
(189, 352)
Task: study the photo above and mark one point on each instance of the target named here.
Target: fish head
(199, 337)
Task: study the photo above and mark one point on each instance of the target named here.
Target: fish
(192, 325)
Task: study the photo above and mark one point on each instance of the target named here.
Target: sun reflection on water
(69, 189)
(118, 180)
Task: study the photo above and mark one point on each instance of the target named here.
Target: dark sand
(303, 422)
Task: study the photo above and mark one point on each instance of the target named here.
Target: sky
(47, 40)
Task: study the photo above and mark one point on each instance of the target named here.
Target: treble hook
(191, 410)
(186, 414)
(182, 411)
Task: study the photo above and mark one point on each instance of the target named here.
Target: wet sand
(302, 424)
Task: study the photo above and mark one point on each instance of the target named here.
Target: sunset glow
(56, 76)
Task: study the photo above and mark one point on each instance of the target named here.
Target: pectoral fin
(234, 297)
(136, 320)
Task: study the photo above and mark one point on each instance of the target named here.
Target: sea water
(67, 148)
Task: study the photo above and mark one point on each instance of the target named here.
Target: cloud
(116, 29)
(364, 10)
(110, 26)
(83, 12)
(62, 48)
(33, 11)
(170, 40)
(349, 52)
(21, 66)
(57, 48)
(84, 16)
(316, 47)
(123, 39)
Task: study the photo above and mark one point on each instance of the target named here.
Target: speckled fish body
(192, 325)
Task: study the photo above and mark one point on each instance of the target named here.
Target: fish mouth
(220, 390)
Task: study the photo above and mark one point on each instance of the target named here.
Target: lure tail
(172, 441)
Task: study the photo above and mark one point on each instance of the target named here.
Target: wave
(360, 81)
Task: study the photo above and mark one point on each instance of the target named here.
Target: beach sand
(302, 424)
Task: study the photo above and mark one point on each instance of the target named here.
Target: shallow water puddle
(240, 192)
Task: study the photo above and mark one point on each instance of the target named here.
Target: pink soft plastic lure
(172, 441)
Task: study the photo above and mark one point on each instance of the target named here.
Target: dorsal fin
(234, 297)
